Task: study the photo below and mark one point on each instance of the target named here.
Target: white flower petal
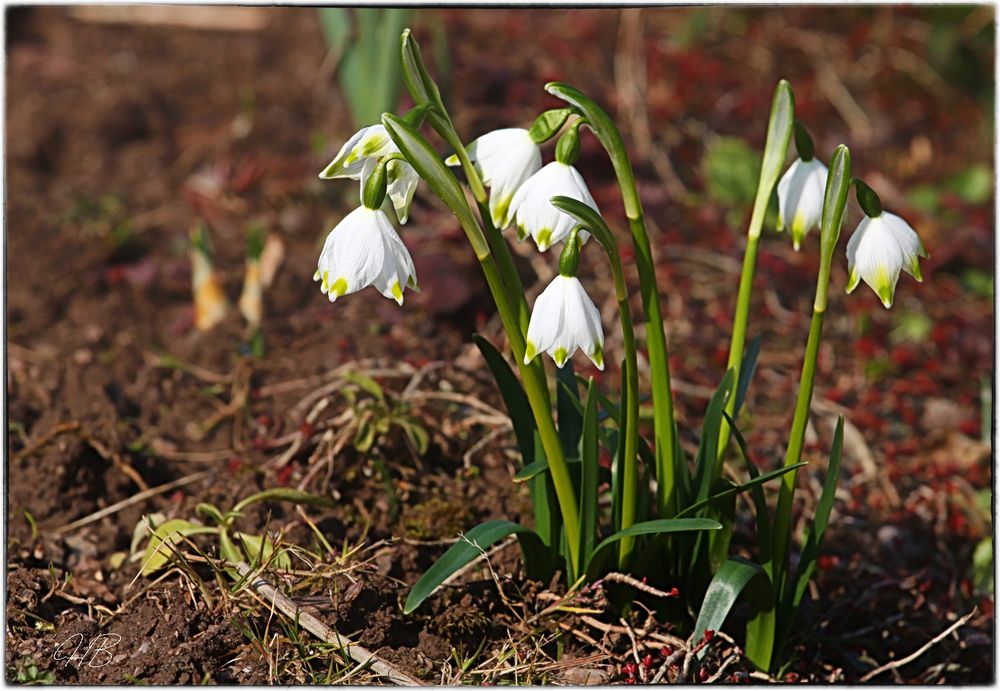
(367, 143)
(364, 249)
(800, 198)
(565, 318)
(878, 250)
(534, 213)
(504, 159)
(403, 181)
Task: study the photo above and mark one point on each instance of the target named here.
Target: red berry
(647, 662)
(792, 677)
(264, 420)
(630, 668)
(306, 429)
(703, 674)
(674, 592)
(709, 634)
(666, 651)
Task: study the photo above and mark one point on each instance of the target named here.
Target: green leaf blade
(470, 546)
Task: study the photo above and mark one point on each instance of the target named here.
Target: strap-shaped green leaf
(589, 470)
(757, 493)
(537, 563)
(568, 410)
(516, 401)
(815, 532)
(723, 509)
(747, 368)
(755, 480)
(659, 526)
(159, 549)
(706, 461)
(740, 576)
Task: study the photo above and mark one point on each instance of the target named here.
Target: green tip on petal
(397, 292)
(798, 231)
(544, 239)
(522, 232)
(451, 160)
(331, 170)
(560, 356)
(499, 212)
(339, 287)
(530, 351)
(915, 270)
(316, 275)
(369, 147)
(884, 287)
(598, 357)
(852, 281)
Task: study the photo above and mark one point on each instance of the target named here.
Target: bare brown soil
(120, 137)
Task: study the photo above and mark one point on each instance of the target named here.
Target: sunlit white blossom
(800, 198)
(359, 156)
(504, 159)
(878, 250)
(534, 213)
(362, 250)
(564, 318)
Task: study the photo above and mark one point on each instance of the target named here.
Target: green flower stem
(740, 319)
(780, 126)
(663, 404)
(630, 480)
(536, 388)
(500, 249)
(783, 512)
(428, 164)
(835, 201)
(592, 221)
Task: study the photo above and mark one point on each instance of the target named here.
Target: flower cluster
(882, 245)
(364, 249)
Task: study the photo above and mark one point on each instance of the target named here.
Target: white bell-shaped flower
(504, 159)
(800, 198)
(534, 213)
(878, 250)
(362, 250)
(359, 156)
(563, 319)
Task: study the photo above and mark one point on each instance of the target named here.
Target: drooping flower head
(534, 213)
(564, 317)
(800, 198)
(359, 156)
(504, 159)
(878, 250)
(362, 250)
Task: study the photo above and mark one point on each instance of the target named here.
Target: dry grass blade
(317, 628)
(923, 649)
(125, 503)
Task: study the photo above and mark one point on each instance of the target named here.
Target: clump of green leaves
(377, 412)
(161, 536)
(26, 672)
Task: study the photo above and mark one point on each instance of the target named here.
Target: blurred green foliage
(366, 40)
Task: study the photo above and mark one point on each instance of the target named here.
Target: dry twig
(359, 654)
(923, 649)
